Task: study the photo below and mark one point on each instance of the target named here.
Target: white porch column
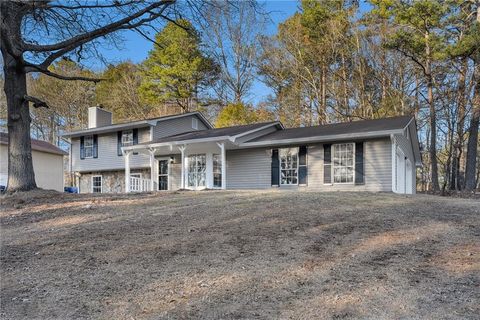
(224, 165)
(126, 155)
(152, 168)
(182, 150)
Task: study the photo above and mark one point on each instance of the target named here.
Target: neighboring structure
(184, 152)
(47, 163)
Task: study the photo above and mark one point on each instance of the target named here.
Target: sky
(136, 48)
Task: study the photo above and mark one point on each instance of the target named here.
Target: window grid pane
(88, 146)
(217, 171)
(97, 184)
(127, 138)
(343, 164)
(288, 166)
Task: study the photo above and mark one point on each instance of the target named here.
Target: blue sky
(136, 48)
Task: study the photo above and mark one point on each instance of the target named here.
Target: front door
(162, 174)
(197, 165)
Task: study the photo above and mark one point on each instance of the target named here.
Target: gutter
(376, 134)
(175, 143)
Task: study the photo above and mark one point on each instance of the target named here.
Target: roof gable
(37, 145)
(136, 124)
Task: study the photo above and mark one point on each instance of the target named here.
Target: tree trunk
(471, 163)
(433, 119)
(456, 180)
(21, 176)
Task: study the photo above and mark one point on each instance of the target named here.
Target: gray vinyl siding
(377, 166)
(176, 126)
(175, 173)
(249, 169)
(108, 159)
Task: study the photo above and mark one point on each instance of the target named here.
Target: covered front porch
(173, 166)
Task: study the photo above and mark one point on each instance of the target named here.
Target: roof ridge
(350, 122)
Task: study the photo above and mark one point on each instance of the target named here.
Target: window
(88, 146)
(288, 166)
(197, 165)
(343, 163)
(217, 171)
(194, 123)
(97, 184)
(136, 175)
(127, 138)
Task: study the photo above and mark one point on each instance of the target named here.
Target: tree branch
(114, 26)
(37, 68)
(37, 103)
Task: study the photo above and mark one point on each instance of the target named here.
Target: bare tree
(231, 33)
(34, 34)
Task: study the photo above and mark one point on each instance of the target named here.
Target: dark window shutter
(95, 146)
(119, 143)
(302, 165)
(275, 168)
(327, 163)
(135, 138)
(82, 148)
(359, 166)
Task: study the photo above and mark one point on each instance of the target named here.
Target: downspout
(394, 166)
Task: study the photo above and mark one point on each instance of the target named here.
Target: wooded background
(329, 62)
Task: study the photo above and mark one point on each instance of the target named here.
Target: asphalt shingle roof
(354, 127)
(211, 133)
(37, 145)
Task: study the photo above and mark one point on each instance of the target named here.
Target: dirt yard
(239, 255)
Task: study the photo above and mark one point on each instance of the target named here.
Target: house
(47, 163)
(184, 151)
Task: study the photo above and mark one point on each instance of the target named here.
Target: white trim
(394, 160)
(235, 137)
(157, 161)
(320, 139)
(182, 175)
(136, 124)
(280, 167)
(127, 170)
(91, 146)
(101, 183)
(333, 163)
(196, 186)
(176, 143)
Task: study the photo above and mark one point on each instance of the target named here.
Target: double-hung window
(88, 146)
(217, 171)
(288, 166)
(127, 138)
(97, 184)
(343, 163)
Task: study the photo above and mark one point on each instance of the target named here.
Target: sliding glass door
(197, 166)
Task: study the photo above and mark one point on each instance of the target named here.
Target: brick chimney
(98, 117)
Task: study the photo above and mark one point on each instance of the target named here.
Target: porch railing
(139, 184)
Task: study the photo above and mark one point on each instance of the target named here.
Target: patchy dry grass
(239, 255)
